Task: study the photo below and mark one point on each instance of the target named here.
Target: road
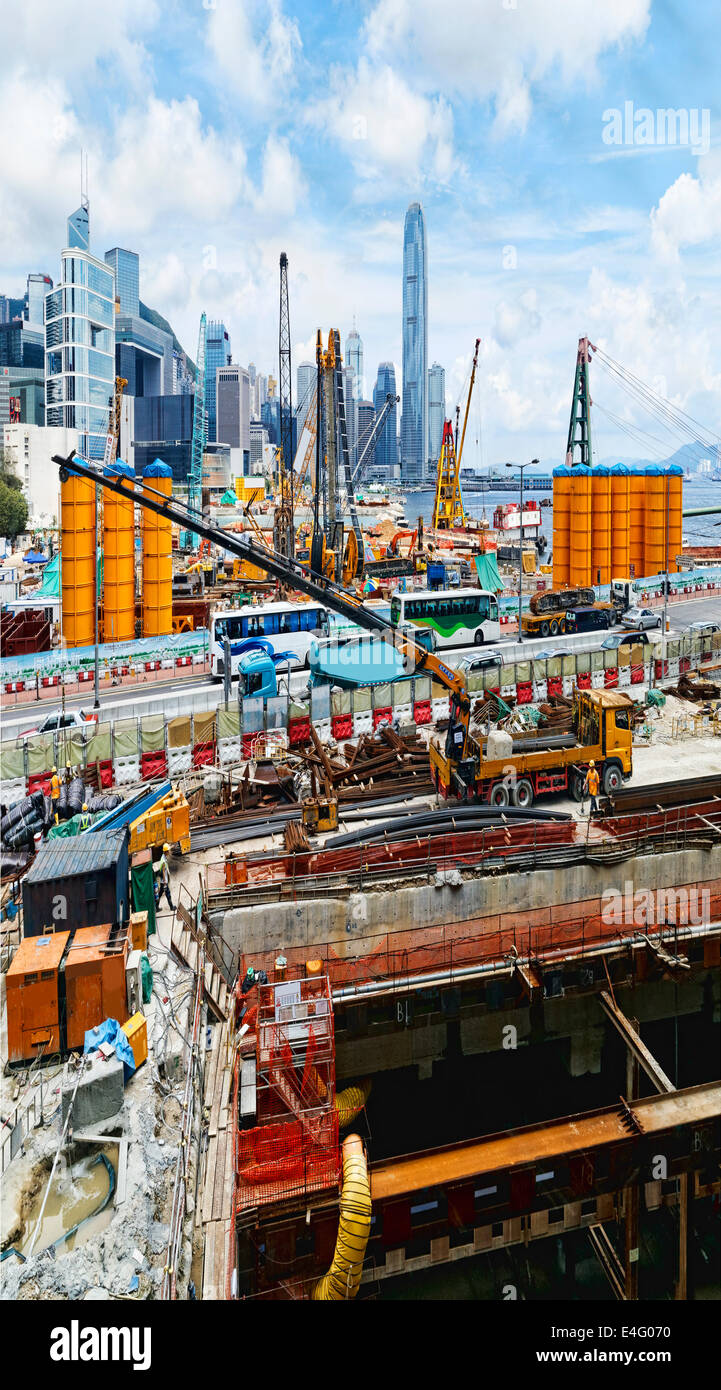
(136, 698)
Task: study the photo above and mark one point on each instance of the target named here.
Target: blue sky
(222, 133)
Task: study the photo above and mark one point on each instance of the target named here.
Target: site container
(136, 1029)
(34, 997)
(139, 931)
(77, 882)
(94, 980)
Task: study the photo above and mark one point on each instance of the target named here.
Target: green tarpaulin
(229, 499)
(141, 887)
(487, 569)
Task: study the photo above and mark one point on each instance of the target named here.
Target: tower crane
(113, 435)
(448, 509)
(284, 530)
(373, 437)
(200, 435)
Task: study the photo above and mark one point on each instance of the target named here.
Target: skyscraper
(354, 360)
(217, 354)
(414, 422)
(386, 451)
(436, 412)
(126, 265)
(305, 381)
(38, 286)
(366, 417)
(233, 414)
(80, 342)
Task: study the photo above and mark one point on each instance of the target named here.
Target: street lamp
(521, 467)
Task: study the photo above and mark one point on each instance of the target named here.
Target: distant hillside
(157, 320)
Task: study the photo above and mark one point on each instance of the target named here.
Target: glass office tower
(386, 451)
(414, 396)
(217, 354)
(126, 266)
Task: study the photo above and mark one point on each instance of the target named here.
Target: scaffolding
(292, 1149)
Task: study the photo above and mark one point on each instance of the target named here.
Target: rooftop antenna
(84, 199)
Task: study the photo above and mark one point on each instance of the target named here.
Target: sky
(222, 132)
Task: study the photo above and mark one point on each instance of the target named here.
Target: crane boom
(374, 436)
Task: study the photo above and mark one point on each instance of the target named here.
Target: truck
(576, 610)
(495, 771)
(344, 662)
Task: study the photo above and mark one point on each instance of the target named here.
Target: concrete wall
(358, 924)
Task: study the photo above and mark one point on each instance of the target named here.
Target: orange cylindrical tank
(78, 549)
(580, 538)
(118, 560)
(561, 526)
(33, 1007)
(600, 525)
(636, 514)
(654, 521)
(675, 515)
(620, 534)
(157, 556)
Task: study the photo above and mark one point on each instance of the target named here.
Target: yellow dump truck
(167, 821)
(492, 769)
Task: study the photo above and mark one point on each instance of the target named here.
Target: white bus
(284, 627)
(458, 617)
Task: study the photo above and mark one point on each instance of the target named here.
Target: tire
(577, 781)
(554, 627)
(606, 622)
(545, 630)
(612, 779)
(478, 638)
(499, 795)
(523, 794)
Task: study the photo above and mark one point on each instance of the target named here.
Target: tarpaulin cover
(152, 733)
(40, 753)
(228, 722)
(204, 726)
(67, 828)
(111, 1033)
(125, 734)
(487, 570)
(229, 499)
(50, 586)
(179, 735)
(12, 762)
(99, 747)
(146, 974)
(141, 888)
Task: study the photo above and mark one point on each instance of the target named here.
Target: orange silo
(157, 555)
(636, 512)
(600, 525)
(118, 559)
(675, 515)
(620, 521)
(561, 526)
(654, 521)
(78, 549)
(580, 531)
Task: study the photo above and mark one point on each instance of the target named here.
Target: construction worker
(85, 817)
(68, 774)
(162, 881)
(591, 785)
(55, 792)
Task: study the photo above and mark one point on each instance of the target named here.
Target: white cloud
(283, 185)
(386, 127)
(44, 34)
(39, 165)
(256, 51)
(516, 320)
(485, 49)
(689, 213)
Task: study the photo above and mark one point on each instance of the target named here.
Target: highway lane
(137, 698)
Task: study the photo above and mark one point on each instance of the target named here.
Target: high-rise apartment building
(80, 342)
(354, 360)
(126, 266)
(414, 395)
(386, 450)
(436, 412)
(217, 354)
(233, 414)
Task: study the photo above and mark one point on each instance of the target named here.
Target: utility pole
(522, 466)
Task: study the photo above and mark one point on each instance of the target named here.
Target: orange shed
(94, 981)
(33, 1008)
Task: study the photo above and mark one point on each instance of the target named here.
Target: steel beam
(633, 1041)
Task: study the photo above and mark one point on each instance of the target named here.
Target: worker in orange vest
(55, 791)
(591, 785)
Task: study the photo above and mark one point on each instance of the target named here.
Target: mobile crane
(462, 768)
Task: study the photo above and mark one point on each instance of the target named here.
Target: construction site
(371, 950)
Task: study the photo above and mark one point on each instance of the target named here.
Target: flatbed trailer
(603, 726)
(585, 618)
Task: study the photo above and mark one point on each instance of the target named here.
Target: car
(626, 639)
(62, 719)
(641, 618)
(550, 655)
(473, 664)
(704, 627)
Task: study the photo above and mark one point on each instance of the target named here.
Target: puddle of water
(77, 1191)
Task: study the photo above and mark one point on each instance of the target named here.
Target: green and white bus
(457, 617)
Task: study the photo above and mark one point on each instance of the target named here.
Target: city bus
(286, 627)
(458, 617)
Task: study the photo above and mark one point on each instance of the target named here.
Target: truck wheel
(523, 793)
(499, 795)
(478, 637)
(544, 629)
(577, 781)
(612, 779)
(554, 627)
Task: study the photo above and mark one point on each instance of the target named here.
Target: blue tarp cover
(110, 1032)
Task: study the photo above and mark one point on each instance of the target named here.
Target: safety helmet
(251, 973)
(85, 805)
(166, 848)
(592, 763)
(54, 769)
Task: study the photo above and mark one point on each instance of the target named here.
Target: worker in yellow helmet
(85, 817)
(55, 792)
(591, 785)
(162, 880)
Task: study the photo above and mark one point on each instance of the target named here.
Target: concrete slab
(99, 1095)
